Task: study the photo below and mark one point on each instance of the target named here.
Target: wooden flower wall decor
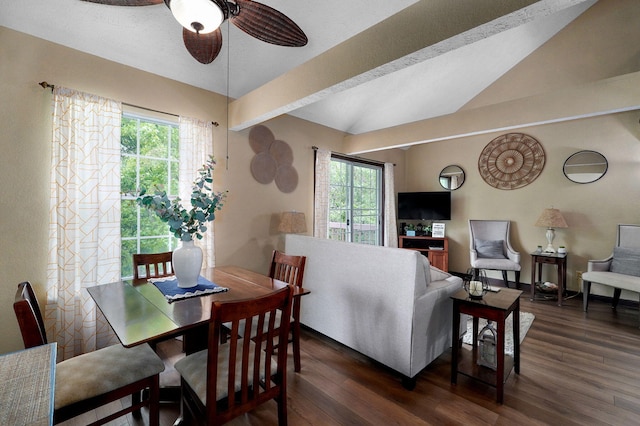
(273, 160)
(511, 161)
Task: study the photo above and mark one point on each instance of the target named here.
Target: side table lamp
(292, 223)
(550, 219)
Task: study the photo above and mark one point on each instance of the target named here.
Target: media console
(436, 249)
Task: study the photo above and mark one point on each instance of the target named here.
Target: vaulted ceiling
(368, 65)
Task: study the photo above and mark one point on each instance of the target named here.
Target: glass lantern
(487, 347)
(475, 283)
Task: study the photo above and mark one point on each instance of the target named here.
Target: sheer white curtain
(390, 226)
(196, 145)
(84, 218)
(321, 197)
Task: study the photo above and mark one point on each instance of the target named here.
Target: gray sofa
(386, 303)
(621, 270)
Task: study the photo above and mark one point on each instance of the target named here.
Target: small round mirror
(452, 177)
(585, 167)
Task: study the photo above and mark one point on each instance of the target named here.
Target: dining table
(139, 313)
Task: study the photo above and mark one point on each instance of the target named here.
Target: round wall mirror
(585, 167)
(452, 177)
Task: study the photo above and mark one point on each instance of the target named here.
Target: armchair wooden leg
(616, 297)
(518, 280)
(586, 289)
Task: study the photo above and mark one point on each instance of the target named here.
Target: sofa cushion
(490, 249)
(626, 260)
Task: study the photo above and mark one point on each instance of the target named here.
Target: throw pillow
(626, 260)
(490, 249)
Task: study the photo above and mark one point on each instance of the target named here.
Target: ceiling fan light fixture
(198, 16)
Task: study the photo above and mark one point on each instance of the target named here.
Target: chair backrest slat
(156, 265)
(287, 268)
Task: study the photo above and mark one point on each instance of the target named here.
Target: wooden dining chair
(290, 269)
(88, 381)
(155, 265)
(232, 378)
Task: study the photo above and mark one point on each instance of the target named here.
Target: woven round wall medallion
(273, 160)
(511, 161)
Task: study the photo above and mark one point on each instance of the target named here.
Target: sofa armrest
(599, 265)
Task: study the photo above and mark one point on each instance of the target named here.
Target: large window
(149, 151)
(355, 201)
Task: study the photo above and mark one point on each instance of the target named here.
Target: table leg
(476, 326)
(533, 281)
(500, 366)
(455, 343)
(516, 338)
(561, 279)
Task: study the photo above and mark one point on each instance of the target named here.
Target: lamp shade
(292, 223)
(551, 218)
(198, 16)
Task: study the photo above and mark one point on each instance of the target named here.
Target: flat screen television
(424, 205)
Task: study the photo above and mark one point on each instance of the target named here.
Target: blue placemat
(169, 287)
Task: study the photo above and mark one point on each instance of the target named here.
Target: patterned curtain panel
(321, 197)
(196, 145)
(390, 226)
(84, 218)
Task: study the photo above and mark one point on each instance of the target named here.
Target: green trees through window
(355, 202)
(149, 158)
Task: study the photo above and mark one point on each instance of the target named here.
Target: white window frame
(350, 232)
(140, 213)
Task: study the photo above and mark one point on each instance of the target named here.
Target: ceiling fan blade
(267, 24)
(127, 2)
(203, 47)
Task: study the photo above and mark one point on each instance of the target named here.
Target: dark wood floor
(576, 369)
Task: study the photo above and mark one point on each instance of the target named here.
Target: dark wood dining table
(139, 313)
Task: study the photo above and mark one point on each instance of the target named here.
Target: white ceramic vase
(187, 263)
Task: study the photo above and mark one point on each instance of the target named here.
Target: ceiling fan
(201, 20)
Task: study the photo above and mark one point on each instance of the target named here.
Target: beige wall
(561, 77)
(592, 210)
(245, 228)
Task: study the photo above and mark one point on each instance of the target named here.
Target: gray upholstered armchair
(490, 248)
(621, 270)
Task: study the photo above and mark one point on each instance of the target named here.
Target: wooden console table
(436, 249)
(494, 307)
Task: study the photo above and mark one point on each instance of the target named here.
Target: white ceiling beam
(608, 96)
(422, 31)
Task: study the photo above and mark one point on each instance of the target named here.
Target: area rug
(526, 319)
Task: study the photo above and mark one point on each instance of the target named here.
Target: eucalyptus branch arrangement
(187, 224)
